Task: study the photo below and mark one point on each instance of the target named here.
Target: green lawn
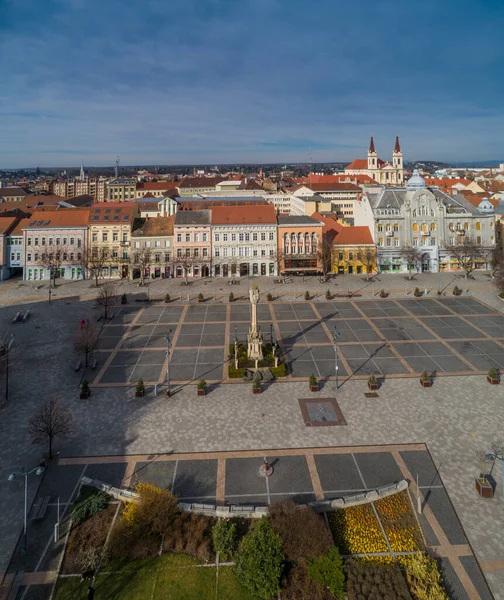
(170, 577)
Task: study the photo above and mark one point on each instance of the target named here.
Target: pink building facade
(192, 244)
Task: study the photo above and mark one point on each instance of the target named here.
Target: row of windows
(157, 257)
(195, 237)
(300, 237)
(65, 257)
(299, 250)
(157, 244)
(388, 242)
(50, 241)
(115, 236)
(115, 253)
(244, 237)
(243, 251)
(195, 253)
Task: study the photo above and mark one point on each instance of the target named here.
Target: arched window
(293, 238)
(415, 226)
(431, 212)
(466, 226)
(380, 227)
(306, 238)
(478, 226)
(314, 238)
(396, 227)
(300, 238)
(286, 239)
(415, 213)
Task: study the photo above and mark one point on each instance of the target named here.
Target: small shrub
(140, 387)
(328, 295)
(167, 298)
(201, 384)
(492, 373)
(89, 503)
(307, 295)
(418, 292)
(372, 380)
(457, 291)
(231, 297)
(200, 297)
(300, 586)
(425, 376)
(85, 386)
(383, 294)
(327, 570)
(260, 561)
(224, 539)
(256, 381)
(153, 512)
(313, 380)
(280, 371)
(269, 296)
(234, 373)
(124, 299)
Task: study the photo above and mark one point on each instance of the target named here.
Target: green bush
(201, 384)
(89, 503)
(224, 539)
(234, 373)
(280, 371)
(200, 297)
(313, 380)
(327, 570)
(307, 295)
(260, 561)
(140, 386)
(492, 373)
(167, 298)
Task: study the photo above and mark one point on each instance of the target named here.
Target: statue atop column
(254, 338)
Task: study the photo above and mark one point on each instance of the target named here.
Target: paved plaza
(449, 336)
(303, 475)
(454, 418)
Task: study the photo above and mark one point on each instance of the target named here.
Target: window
(254, 236)
(167, 257)
(157, 257)
(196, 252)
(50, 241)
(271, 236)
(188, 252)
(179, 252)
(396, 227)
(158, 244)
(350, 256)
(478, 239)
(167, 243)
(205, 237)
(115, 253)
(217, 252)
(380, 226)
(179, 237)
(79, 243)
(187, 237)
(72, 242)
(28, 257)
(115, 236)
(272, 252)
(415, 226)
(196, 237)
(13, 256)
(247, 237)
(433, 226)
(225, 251)
(233, 251)
(205, 252)
(58, 241)
(224, 237)
(147, 244)
(29, 241)
(389, 242)
(217, 237)
(415, 241)
(340, 256)
(380, 241)
(396, 242)
(466, 226)
(95, 237)
(233, 237)
(137, 244)
(105, 237)
(478, 226)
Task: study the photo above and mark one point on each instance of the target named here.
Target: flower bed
(356, 530)
(399, 522)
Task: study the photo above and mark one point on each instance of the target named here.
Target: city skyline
(261, 82)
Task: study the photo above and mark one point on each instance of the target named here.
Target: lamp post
(439, 275)
(38, 470)
(271, 333)
(50, 292)
(7, 350)
(336, 335)
(236, 347)
(168, 346)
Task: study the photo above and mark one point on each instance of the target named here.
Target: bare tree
(367, 256)
(413, 258)
(94, 260)
(53, 257)
(325, 254)
(496, 259)
(466, 253)
(141, 259)
(53, 420)
(107, 296)
(86, 339)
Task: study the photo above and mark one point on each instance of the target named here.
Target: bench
(26, 315)
(40, 508)
(78, 366)
(17, 318)
(93, 364)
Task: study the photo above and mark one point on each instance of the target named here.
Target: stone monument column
(254, 338)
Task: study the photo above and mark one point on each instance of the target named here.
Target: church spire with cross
(81, 176)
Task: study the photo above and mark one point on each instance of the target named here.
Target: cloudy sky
(197, 81)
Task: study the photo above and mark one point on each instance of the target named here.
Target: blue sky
(197, 81)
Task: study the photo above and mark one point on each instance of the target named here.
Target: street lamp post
(271, 333)
(168, 346)
(7, 350)
(38, 470)
(336, 335)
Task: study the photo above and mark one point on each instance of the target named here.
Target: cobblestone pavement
(455, 417)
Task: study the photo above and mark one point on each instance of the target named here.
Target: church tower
(397, 160)
(372, 157)
(81, 176)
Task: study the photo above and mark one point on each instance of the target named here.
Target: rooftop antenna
(116, 169)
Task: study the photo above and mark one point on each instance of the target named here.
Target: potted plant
(457, 291)
(417, 292)
(492, 376)
(328, 295)
(485, 484)
(256, 384)
(167, 298)
(383, 294)
(200, 297)
(425, 380)
(201, 387)
(307, 295)
(124, 299)
(313, 383)
(372, 383)
(231, 297)
(85, 391)
(140, 388)
(269, 297)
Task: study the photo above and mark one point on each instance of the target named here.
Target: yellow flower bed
(399, 523)
(356, 530)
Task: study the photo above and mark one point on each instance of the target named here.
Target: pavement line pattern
(445, 545)
(330, 336)
(314, 476)
(164, 370)
(492, 565)
(227, 330)
(130, 471)
(220, 493)
(39, 578)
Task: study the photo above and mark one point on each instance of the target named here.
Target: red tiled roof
(199, 182)
(445, 182)
(354, 236)
(331, 226)
(333, 187)
(18, 230)
(155, 226)
(157, 185)
(105, 213)
(240, 215)
(209, 203)
(361, 163)
(6, 224)
(64, 217)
